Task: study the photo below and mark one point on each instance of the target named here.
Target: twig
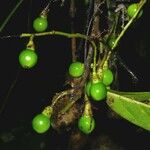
(73, 40)
(60, 95)
(68, 35)
(105, 59)
(10, 15)
(141, 4)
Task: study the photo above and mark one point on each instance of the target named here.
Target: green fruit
(86, 124)
(98, 91)
(28, 58)
(111, 42)
(132, 9)
(107, 77)
(76, 69)
(41, 123)
(87, 88)
(40, 24)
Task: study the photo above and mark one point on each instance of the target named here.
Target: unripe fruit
(41, 123)
(28, 58)
(76, 69)
(111, 42)
(98, 91)
(87, 88)
(86, 124)
(40, 24)
(132, 9)
(107, 77)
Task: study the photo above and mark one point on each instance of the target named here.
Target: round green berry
(40, 24)
(98, 91)
(86, 124)
(76, 69)
(132, 9)
(111, 42)
(28, 58)
(87, 88)
(41, 123)
(107, 77)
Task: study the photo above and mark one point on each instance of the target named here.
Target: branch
(10, 15)
(108, 55)
(72, 13)
(141, 4)
(60, 95)
(68, 35)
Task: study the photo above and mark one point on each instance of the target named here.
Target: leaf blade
(138, 96)
(134, 111)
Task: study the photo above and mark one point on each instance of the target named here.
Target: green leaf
(131, 106)
(138, 96)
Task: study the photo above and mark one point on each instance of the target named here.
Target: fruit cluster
(97, 91)
(96, 85)
(28, 57)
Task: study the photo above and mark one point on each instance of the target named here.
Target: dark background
(34, 88)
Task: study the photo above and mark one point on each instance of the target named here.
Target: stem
(141, 4)
(94, 59)
(105, 65)
(89, 21)
(48, 111)
(87, 66)
(87, 108)
(76, 97)
(60, 95)
(68, 106)
(73, 40)
(30, 44)
(10, 15)
(68, 35)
